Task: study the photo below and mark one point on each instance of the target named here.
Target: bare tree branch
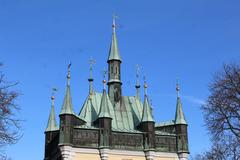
(222, 114)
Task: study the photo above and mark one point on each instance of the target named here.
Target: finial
(114, 22)
(177, 88)
(91, 63)
(68, 74)
(104, 76)
(54, 90)
(137, 75)
(145, 85)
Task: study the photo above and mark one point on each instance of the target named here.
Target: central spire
(114, 51)
(114, 68)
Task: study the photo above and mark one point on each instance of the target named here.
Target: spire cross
(114, 23)
(91, 63)
(68, 74)
(177, 88)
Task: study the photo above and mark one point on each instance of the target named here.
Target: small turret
(114, 69)
(51, 131)
(147, 123)
(52, 123)
(67, 116)
(181, 129)
(104, 123)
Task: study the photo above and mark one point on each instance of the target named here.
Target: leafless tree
(222, 114)
(9, 122)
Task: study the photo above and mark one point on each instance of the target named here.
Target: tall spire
(52, 123)
(90, 79)
(146, 115)
(104, 108)
(114, 52)
(67, 103)
(137, 86)
(114, 69)
(179, 116)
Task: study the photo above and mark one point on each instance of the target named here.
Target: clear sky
(167, 38)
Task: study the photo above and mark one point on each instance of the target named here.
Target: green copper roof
(104, 109)
(166, 123)
(114, 51)
(147, 115)
(52, 124)
(125, 117)
(67, 103)
(179, 116)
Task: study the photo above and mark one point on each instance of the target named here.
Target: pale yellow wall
(95, 156)
(123, 157)
(87, 156)
(164, 158)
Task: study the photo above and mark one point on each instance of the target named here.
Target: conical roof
(67, 103)
(114, 53)
(52, 123)
(179, 116)
(104, 108)
(147, 114)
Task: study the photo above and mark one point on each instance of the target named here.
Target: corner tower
(114, 69)
(181, 129)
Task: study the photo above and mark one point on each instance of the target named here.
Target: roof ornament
(137, 86)
(114, 26)
(137, 75)
(177, 88)
(145, 85)
(90, 79)
(54, 90)
(91, 63)
(68, 74)
(104, 72)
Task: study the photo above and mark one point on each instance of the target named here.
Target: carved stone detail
(67, 152)
(183, 156)
(104, 153)
(150, 155)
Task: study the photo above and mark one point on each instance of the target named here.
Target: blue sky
(168, 39)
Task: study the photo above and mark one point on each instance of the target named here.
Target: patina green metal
(104, 109)
(147, 114)
(52, 123)
(67, 107)
(179, 116)
(114, 53)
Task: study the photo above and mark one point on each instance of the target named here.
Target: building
(111, 126)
